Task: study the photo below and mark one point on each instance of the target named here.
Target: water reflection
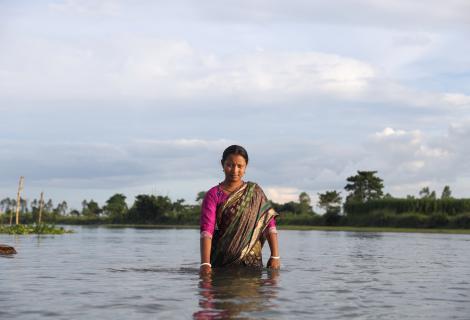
(228, 293)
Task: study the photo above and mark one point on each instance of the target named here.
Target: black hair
(234, 149)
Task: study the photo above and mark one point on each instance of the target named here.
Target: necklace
(231, 189)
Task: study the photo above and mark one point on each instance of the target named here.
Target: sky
(142, 97)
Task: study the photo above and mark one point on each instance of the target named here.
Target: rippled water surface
(100, 273)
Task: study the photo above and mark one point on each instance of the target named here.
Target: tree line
(365, 205)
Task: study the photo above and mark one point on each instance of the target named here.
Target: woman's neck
(231, 185)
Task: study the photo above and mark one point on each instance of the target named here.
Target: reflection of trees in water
(228, 293)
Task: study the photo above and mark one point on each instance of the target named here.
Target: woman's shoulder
(254, 185)
(215, 191)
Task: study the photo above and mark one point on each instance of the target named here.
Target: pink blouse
(212, 200)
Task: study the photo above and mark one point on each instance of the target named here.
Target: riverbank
(305, 228)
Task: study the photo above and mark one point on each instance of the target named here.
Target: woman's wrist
(205, 264)
(275, 257)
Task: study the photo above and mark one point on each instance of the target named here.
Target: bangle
(273, 257)
(206, 264)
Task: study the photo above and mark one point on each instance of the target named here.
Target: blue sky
(100, 97)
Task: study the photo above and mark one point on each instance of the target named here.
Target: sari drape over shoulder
(241, 221)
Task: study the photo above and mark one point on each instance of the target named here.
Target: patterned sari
(241, 221)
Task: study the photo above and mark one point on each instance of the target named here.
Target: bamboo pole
(41, 205)
(11, 216)
(18, 200)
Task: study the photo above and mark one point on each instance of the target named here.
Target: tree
(116, 207)
(6, 204)
(288, 207)
(330, 201)
(92, 208)
(304, 201)
(23, 205)
(34, 205)
(84, 206)
(75, 213)
(149, 208)
(178, 206)
(200, 196)
(61, 208)
(446, 193)
(425, 193)
(48, 205)
(364, 186)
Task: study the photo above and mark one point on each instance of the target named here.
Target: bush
(460, 221)
(332, 218)
(411, 220)
(450, 207)
(438, 220)
(299, 220)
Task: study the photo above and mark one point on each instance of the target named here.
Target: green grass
(152, 226)
(306, 228)
(33, 229)
(377, 229)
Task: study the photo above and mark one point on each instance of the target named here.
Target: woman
(236, 218)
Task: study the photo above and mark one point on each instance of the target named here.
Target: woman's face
(234, 168)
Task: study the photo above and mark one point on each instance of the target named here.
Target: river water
(102, 273)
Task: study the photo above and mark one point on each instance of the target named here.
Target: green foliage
(200, 196)
(33, 229)
(425, 193)
(116, 208)
(91, 208)
(293, 219)
(426, 206)
(330, 201)
(304, 203)
(332, 218)
(438, 220)
(291, 207)
(302, 207)
(446, 193)
(364, 186)
(460, 221)
(150, 209)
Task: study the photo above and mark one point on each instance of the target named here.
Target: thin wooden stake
(18, 200)
(41, 205)
(11, 216)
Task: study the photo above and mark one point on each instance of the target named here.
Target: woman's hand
(205, 270)
(274, 263)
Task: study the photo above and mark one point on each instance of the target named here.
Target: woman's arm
(274, 261)
(206, 244)
(208, 209)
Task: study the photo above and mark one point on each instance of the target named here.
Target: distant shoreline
(303, 228)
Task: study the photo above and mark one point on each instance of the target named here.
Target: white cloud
(282, 194)
(173, 71)
(144, 68)
(87, 7)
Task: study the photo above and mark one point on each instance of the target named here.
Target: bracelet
(273, 257)
(206, 264)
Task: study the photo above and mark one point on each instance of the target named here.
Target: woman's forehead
(236, 158)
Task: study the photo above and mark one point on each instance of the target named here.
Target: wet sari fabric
(241, 221)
